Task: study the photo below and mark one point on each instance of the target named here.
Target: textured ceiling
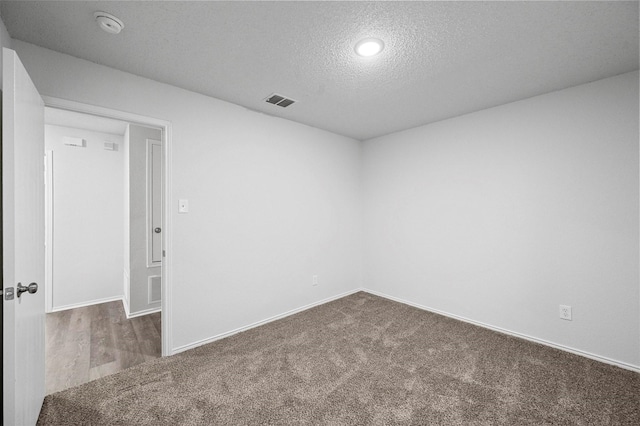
(441, 59)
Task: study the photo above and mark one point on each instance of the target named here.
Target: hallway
(87, 343)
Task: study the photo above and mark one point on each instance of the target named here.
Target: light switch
(183, 206)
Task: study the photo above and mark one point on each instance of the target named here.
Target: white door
(23, 243)
(154, 202)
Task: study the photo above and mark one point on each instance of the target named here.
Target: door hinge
(164, 254)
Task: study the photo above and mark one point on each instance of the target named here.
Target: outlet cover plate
(565, 312)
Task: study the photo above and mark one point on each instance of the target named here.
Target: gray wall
(502, 215)
(272, 202)
(497, 216)
(87, 218)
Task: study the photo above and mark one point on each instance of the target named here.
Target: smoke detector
(108, 22)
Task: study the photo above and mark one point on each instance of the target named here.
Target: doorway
(104, 203)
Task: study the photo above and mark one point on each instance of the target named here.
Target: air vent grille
(279, 100)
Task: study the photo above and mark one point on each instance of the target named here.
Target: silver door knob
(157, 230)
(31, 288)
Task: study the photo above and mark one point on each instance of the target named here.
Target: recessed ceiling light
(369, 47)
(108, 22)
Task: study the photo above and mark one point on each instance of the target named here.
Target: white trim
(149, 279)
(574, 351)
(125, 305)
(165, 127)
(53, 102)
(167, 247)
(259, 323)
(149, 203)
(143, 313)
(126, 283)
(84, 304)
(48, 231)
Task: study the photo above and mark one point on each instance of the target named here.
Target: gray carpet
(360, 360)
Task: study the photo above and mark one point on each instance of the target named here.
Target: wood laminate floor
(84, 344)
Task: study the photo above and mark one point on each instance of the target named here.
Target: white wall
(501, 215)
(139, 273)
(498, 216)
(88, 224)
(272, 202)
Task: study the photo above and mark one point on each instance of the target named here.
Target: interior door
(23, 244)
(154, 202)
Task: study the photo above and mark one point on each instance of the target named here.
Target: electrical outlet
(565, 312)
(314, 280)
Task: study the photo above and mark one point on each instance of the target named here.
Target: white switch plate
(183, 206)
(314, 280)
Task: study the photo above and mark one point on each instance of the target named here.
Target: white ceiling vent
(279, 100)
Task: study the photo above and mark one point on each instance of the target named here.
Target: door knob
(31, 288)
(157, 230)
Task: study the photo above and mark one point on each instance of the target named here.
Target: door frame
(165, 126)
(48, 230)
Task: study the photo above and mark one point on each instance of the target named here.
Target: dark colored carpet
(360, 360)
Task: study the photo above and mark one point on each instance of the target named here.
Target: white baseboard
(512, 333)
(125, 305)
(259, 323)
(141, 313)
(83, 304)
